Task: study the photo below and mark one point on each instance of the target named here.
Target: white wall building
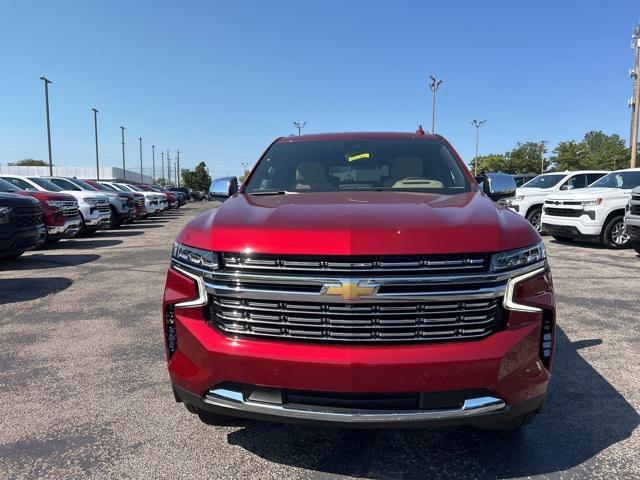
(106, 173)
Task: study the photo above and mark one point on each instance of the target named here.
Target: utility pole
(95, 130)
(153, 162)
(178, 169)
(46, 102)
(141, 177)
(162, 165)
(434, 84)
(635, 106)
(299, 126)
(124, 171)
(542, 145)
(168, 168)
(477, 124)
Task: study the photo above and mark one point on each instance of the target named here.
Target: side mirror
(499, 186)
(223, 188)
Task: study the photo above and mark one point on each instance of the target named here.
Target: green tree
(162, 182)
(243, 176)
(198, 178)
(494, 162)
(526, 157)
(30, 162)
(596, 151)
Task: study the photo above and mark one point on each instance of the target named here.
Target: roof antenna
(420, 131)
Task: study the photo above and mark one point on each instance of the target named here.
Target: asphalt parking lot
(84, 390)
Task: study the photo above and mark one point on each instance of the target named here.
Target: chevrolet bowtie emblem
(351, 290)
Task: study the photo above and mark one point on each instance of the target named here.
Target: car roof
(327, 137)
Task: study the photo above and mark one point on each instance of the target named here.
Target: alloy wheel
(618, 234)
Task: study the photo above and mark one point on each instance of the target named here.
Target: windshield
(409, 165)
(129, 188)
(83, 185)
(618, 180)
(544, 181)
(7, 187)
(46, 184)
(104, 187)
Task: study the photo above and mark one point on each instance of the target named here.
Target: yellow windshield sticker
(353, 158)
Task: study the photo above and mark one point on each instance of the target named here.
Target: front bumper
(632, 224)
(20, 240)
(99, 220)
(582, 226)
(474, 411)
(68, 229)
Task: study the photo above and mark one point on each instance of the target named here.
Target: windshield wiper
(271, 192)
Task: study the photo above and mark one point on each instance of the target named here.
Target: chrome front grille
(355, 322)
(265, 264)
(70, 209)
(353, 299)
(103, 207)
(635, 209)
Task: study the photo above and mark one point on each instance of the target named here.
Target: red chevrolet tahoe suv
(364, 280)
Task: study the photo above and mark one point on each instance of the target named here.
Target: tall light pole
(162, 166)
(178, 169)
(477, 124)
(542, 148)
(635, 112)
(434, 84)
(124, 170)
(168, 167)
(46, 102)
(299, 126)
(95, 131)
(153, 162)
(141, 177)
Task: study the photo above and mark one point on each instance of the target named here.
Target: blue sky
(220, 80)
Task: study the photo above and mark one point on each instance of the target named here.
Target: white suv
(593, 212)
(94, 208)
(530, 197)
(152, 201)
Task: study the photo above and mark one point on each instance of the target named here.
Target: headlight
(194, 257)
(517, 198)
(518, 258)
(4, 214)
(124, 198)
(55, 203)
(592, 203)
(90, 201)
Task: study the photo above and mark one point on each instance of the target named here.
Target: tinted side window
(21, 184)
(592, 177)
(577, 181)
(64, 184)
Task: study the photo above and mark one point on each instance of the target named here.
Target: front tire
(114, 220)
(613, 234)
(534, 218)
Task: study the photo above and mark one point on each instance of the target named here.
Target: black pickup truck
(21, 226)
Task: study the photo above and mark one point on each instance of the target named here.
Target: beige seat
(402, 168)
(312, 176)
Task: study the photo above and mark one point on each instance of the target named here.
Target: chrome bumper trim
(233, 400)
(69, 227)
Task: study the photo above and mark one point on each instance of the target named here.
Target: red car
(361, 280)
(60, 213)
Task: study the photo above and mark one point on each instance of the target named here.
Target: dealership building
(106, 173)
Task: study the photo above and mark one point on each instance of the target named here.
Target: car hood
(589, 194)
(57, 196)
(359, 223)
(16, 199)
(84, 194)
(532, 192)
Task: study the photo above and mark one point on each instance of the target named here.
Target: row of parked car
(589, 204)
(35, 211)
